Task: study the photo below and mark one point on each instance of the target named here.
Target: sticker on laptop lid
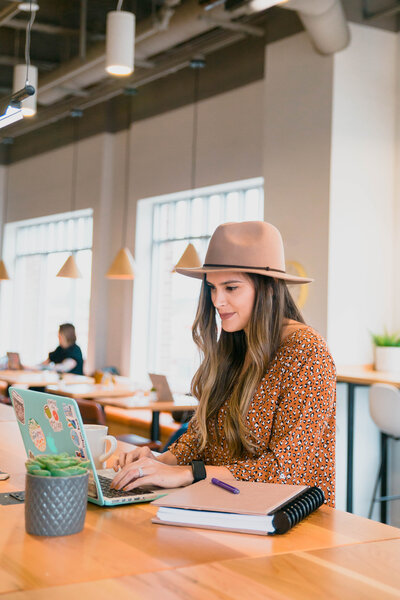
(70, 415)
(19, 407)
(81, 453)
(30, 454)
(77, 438)
(36, 434)
(51, 412)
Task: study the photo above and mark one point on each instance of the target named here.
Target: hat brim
(198, 272)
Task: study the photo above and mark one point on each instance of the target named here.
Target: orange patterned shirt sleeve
(292, 415)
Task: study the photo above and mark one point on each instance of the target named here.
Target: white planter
(387, 358)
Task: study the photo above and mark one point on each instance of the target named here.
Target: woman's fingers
(131, 471)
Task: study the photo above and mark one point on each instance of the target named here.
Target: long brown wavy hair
(221, 374)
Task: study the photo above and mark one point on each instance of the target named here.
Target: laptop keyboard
(105, 483)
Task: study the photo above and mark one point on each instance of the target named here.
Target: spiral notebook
(260, 508)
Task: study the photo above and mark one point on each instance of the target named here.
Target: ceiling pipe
(324, 21)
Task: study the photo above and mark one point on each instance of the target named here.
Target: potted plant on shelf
(55, 495)
(387, 352)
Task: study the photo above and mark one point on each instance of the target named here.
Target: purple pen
(225, 486)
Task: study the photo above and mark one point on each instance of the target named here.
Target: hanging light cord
(28, 41)
(119, 5)
(127, 164)
(74, 163)
(194, 133)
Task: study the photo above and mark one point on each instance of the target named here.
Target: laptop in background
(14, 361)
(51, 424)
(164, 394)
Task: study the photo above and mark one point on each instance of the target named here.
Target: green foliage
(386, 339)
(58, 465)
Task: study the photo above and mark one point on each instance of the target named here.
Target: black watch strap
(199, 470)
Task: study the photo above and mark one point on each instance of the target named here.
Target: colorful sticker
(81, 453)
(77, 438)
(19, 407)
(51, 412)
(30, 454)
(36, 434)
(70, 415)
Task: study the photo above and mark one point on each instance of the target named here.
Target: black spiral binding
(296, 510)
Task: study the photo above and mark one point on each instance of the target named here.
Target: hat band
(244, 267)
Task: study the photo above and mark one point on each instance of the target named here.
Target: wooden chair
(91, 412)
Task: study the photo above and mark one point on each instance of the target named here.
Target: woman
(67, 357)
(266, 386)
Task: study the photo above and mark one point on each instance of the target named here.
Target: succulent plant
(386, 339)
(57, 465)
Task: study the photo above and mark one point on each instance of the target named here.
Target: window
(164, 302)
(35, 302)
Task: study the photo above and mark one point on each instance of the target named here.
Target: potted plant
(55, 495)
(387, 352)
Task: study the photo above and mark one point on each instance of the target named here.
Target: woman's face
(232, 294)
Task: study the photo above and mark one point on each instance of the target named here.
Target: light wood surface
(365, 375)
(91, 391)
(6, 413)
(120, 553)
(144, 402)
(39, 378)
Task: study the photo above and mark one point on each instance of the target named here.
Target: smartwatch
(199, 470)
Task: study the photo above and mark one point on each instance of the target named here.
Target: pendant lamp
(27, 74)
(70, 268)
(120, 42)
(189, 259)
(4, 276)
(123, 266)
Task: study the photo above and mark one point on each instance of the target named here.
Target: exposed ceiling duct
(324, 21)
(177, 23)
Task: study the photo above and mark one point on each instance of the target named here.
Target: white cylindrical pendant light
(28, 105)
(120, 42)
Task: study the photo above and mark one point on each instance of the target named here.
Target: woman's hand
(129, 457)
(147, 470)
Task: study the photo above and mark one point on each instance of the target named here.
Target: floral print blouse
(292, 415)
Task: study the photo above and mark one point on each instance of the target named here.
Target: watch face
(299, 292)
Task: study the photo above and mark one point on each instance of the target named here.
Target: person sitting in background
(67, 357)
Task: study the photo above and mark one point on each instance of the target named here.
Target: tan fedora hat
(251, 247)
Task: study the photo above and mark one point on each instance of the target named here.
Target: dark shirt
(60, 354)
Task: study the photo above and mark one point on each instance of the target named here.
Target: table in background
(29, 378)
(362, 376)
(121, 553)
(6, 413)
(120, 396)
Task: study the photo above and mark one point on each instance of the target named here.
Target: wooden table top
(92, 391)
(7, 413)
(139, 403)
(331, 554)
(39, 378)
(365, 375)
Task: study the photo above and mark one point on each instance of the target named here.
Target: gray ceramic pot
(55, 505)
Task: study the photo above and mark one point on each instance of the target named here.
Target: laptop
(51, 424)
(14, 361)
(164, 394)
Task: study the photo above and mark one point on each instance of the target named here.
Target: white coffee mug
(97, 437)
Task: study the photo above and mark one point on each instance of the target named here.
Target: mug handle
(112, 449)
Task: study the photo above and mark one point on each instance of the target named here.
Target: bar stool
(384, 406)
